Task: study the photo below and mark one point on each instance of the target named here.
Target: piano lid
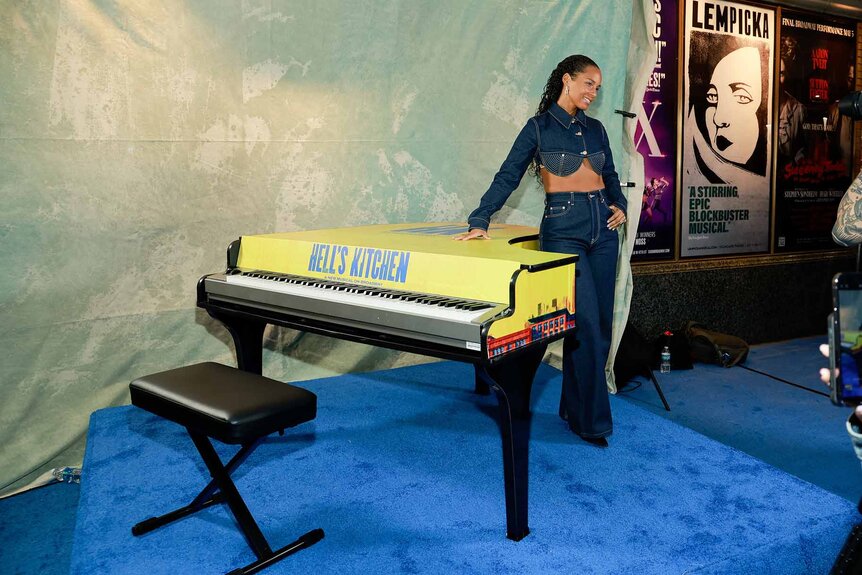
(416, 257)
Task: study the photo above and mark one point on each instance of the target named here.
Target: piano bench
(212, 400)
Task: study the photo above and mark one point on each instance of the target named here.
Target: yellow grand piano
(495, 304)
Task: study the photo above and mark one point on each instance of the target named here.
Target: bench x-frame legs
(223, 490)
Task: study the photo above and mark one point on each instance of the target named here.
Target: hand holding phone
(845, 339)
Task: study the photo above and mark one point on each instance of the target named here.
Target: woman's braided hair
(573, 65)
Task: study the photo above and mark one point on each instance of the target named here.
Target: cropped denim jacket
(553, 135)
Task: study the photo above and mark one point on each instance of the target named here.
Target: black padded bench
(212, 400)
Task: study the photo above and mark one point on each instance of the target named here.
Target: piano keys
(410, 287)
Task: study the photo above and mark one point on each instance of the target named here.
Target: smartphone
(845, 339)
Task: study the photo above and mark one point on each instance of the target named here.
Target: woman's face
(733, 98)
(583, 87)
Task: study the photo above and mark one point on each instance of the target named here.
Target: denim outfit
(573, 223)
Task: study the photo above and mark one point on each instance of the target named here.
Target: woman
(584, 205)
(652, 199)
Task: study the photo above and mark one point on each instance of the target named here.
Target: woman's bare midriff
(583, 180)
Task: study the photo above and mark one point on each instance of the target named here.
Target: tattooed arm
(847, 230)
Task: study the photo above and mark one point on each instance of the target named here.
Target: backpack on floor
(708, 346)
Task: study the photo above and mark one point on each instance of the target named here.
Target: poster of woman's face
(733, 97)
(728, 85)
(726, 142)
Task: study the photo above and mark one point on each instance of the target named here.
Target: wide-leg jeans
(576, 223)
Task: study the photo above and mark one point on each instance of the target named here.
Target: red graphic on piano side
(536, 329)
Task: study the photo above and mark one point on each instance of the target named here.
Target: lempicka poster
(814, 156)
(655, 138)
(727, 155)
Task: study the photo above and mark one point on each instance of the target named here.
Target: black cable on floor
(783, 380)
(629, 387)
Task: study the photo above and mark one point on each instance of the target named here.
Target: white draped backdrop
(139, 138)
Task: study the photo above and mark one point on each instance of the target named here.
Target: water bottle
(665, 360)
(67, 474)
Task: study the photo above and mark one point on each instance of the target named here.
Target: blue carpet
(36, 529)
(403, 471)
(797, 361)
(796, 430)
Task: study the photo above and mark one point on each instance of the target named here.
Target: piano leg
(511, 380)
(481, 387)
(247, 339)
(512, 383)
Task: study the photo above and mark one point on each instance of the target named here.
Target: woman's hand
(473, 234)
(618, 218)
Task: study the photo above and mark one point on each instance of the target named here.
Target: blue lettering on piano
(366, 259)
(366, 263)
(327, 258)
(342, 262)
(376, 264)
(386, 266)
(313, 259)
(330, 260)
(321, 256)
(356, 263)
(403, 262)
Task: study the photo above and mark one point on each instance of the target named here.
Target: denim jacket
(552, 133)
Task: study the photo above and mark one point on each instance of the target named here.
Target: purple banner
(655, 139)
(814, 146)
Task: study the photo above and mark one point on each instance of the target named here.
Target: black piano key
(434, 300)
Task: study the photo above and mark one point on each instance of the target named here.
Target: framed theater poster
(726, 147)
(814, 155)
